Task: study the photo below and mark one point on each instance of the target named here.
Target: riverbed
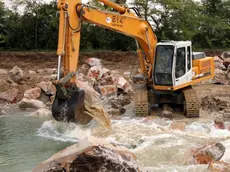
(26, 141)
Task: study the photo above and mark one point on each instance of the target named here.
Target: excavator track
(191, 104)
(141, 100)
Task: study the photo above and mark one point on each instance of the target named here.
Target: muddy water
(26, 141)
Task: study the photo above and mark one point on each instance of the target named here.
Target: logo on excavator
(108, 20)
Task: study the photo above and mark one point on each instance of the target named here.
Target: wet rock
(177, 126)
(32, 93)
(42, 112)
(91, 155)
(209, 153)
(31, 72)
(44, 98)
(9, 95)
(90, 94)
(219, 166)
(167, 111)
(8, 109)
(3, 72)
(16, 74)
(114, 112)
(4, 85)
(93, 61)
(31, 103)
(219, 123)
(108, 90)
(47, 87)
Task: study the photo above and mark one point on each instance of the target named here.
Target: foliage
(205, 23)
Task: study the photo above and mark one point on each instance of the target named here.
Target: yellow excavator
(168, 69)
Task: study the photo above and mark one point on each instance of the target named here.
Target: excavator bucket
(68, 105)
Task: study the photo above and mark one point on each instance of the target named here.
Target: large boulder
(90, 155)
(9, 95)
(90, 94)
(42, 112)
(219, 166)
(209, 153)
(16, 74)
(31, 103)
(32, 93)
(47, 87)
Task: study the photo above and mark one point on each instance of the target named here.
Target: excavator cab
(173, 63)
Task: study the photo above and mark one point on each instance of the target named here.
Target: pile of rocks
(34, 89)
(222, 64)
(105, 84)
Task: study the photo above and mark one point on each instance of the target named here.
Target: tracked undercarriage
(186, 97)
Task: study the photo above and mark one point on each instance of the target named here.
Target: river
(26, 141)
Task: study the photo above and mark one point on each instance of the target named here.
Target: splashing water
(156, 146)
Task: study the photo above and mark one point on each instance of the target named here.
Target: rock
(84, 69)
(30, 103)
(225, 55)
(177, 126)
(90, 94)
(31, 72)
(3, 72)
(226, 62)
(8, 109)
(4, 85)
(219, 166)
(219, 123)
(226, 114)
(108, 90)
(114, 112)
(16, 74)
(41, 71)
(47, 87)
(32, 93)
(44, 98)
(9, 95)
(167, 111)
(107, 80)
(122, 84)
(51, 70)
(51, 77)
(95, 72)
(91, 155)
(42, 112)
(93, 61)
(219, 63)
(209, 153)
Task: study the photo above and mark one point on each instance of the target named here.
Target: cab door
(183, 64)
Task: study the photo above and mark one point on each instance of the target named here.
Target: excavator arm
(72, 14)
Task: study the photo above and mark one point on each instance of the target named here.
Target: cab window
(180, 62)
